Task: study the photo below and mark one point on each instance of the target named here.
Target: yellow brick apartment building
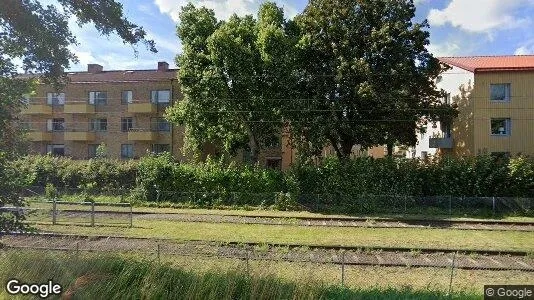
(495, 99)
(121, 109)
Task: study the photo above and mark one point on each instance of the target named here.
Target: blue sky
(458, 28)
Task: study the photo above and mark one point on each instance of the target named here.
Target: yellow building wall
(520, 109)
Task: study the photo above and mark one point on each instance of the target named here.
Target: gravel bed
(270, 253)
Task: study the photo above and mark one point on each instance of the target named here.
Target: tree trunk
(390, 149)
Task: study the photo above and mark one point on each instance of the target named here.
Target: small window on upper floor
(500, 92)
(98, 98)
(161, 97)
(126, 97)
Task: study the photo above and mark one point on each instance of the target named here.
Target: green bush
(362, 185)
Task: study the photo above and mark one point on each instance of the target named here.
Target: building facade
(495, 99)
(120, 110)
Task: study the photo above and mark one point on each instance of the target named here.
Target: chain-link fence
(448, 272)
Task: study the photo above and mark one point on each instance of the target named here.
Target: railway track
(357, 256)
(489, 225)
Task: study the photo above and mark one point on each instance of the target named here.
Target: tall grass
(113, 277)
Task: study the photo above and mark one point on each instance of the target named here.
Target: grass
(410, 238)
(113, 277)
(257, 212)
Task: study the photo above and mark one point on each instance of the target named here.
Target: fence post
(343, 268)
(493, 204)
(54, 211)
(131, 216)
(452, 273)
(77, 248)
(405, 202)
(92, 214)
(159, 262)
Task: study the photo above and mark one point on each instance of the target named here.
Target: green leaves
(232, 72)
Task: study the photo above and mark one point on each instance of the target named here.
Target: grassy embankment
(113, 277)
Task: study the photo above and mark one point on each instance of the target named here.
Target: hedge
(333, 182)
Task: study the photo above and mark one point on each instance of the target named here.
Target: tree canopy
(230, 72)
(342, 73)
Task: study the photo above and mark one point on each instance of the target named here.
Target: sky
(457, 28)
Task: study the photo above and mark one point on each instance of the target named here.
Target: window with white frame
(98, 98)
(55, 98)
(126, 124)
(500, 92)
(127, 151)
(126, 97)
(160, 96)
(98, 125)
(500, 126)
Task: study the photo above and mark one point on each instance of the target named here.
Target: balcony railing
(79, 107)
(79, 135)
(142, 107)
(37, 107)
(141, 134)
(39, 136)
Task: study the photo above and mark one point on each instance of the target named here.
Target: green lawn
(410, 238)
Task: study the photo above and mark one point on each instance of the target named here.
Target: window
(55, 150)
(91, 150)
(161, 97)
(447, 99)
(126, 97)
(500, 126)
(98, 98)
(127, 151)
(274, 163)
(126, 124)
(55, 98)
(25, 99)
(98, 125)
(55, 124)
(500, 92)
(160, 124)
(160, 148)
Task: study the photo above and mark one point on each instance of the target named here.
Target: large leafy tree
(233, 77)
(365, 75)
(36, 38)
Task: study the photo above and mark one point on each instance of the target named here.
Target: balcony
(79, 107)
(79, 136)
(39, 136)
(142, 107)
(37, 108)
(440, 142)
(141, 135)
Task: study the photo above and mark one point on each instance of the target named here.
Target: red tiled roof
(491, 63)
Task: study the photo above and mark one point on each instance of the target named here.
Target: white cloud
(223, 8)
(444, 49)
(526, 49)
(481, 16)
